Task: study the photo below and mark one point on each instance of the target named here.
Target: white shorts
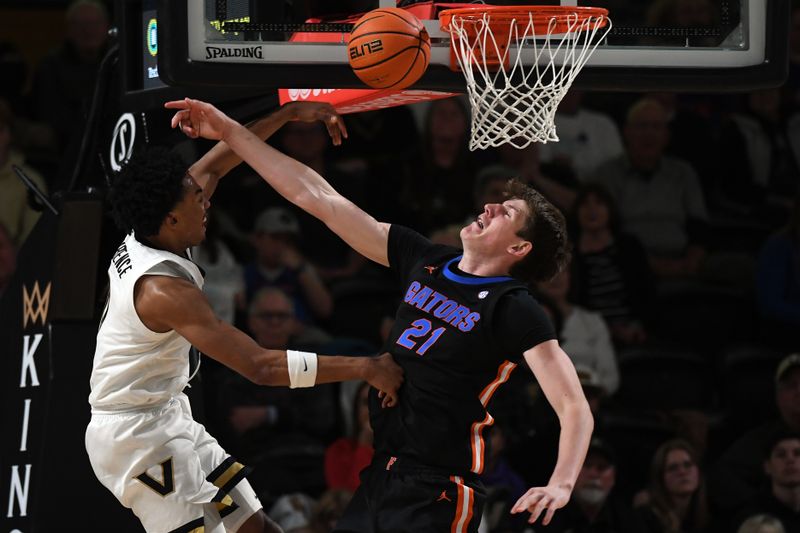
(168, 470)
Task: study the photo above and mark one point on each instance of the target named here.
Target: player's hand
(541, 499)
(322, 111)
(386, 376)
(199, 119)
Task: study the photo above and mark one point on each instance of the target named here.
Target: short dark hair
(546, 229)
(776, 437)
(602, 193)
(146, 189)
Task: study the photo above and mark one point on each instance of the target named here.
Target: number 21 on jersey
(420, 329)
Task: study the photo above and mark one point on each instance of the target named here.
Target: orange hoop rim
(500, 17)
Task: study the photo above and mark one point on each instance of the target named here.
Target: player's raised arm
(295, 181)
(220, 160)
(166, 303)
(556, 374)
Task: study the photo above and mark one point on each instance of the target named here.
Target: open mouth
(479, 222)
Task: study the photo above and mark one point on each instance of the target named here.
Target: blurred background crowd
(680, 309)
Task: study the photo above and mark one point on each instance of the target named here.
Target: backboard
(672, 45)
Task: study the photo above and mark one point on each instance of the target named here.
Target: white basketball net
(517, 105)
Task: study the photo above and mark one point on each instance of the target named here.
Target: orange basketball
(389, 48)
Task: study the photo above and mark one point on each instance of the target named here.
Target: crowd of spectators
(684, 212)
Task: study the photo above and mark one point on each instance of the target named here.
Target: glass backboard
(690, 45)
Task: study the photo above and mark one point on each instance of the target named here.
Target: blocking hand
(322, 111)
(199, 119)
(386, 376)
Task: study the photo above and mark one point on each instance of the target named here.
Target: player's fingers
(390, 401)
(525, 501)
(176, 119)
(176, 104)
(342, 127)
(549, 515)
(537, 510)
(333, 131)
(183, 118)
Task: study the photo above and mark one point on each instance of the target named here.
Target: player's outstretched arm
(295, 181)
(165, 303)
(556, 375)
(217, 162)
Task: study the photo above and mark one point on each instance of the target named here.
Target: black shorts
(395, 496)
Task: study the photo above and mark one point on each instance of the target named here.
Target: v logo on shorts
(443, 496)
(164, 488)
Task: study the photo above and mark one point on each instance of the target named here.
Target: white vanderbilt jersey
(133, 366)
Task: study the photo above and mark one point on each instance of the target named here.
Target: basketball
(389, 48)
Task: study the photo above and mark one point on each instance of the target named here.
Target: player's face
(191, 213)
(495, 230)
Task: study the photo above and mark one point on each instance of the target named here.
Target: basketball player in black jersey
(465, 323)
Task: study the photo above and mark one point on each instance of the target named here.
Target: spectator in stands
(437, 183)
(778, 283)
(781, 496)
(293, 512)
(676, 497)
(223, 274)
(699, 134)
(584, 332)
(761, 523)
(346, 457)
(329, 510)
(595, 507)
(769, 136)
(309, 143)
(595, 393)
(739, 472)
(269, 418)
(586, 139)
(556, 182)
(64, 81)
(8, 259)
(610, 273)
(34, 139)
(377, 140)
(15, 213)
(279, 263)
(504, 485)
(659, 197)
(490, 186)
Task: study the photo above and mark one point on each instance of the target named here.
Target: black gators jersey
(458, 338)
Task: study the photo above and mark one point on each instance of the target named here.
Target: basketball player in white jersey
(142, 442)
